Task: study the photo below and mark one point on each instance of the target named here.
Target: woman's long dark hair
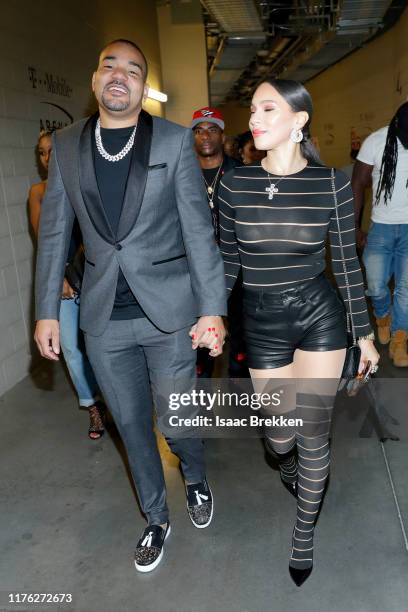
(299, 99)
(390, 157)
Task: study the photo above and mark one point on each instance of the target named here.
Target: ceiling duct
(295, 39)
(242, 35)
(357, 22)
(235, 15)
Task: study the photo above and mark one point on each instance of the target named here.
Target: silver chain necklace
(211, 188)
(272, 189)
(104, 153)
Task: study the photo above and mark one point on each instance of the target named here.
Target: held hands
(368, 353)
(67, 291)
(208, 332)
(47, 338)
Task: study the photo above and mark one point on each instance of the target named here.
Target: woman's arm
(344, 231)
(357, 306)
(228, 239)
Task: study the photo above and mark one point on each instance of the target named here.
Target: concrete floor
(70, 520)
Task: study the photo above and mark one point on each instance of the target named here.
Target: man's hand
(67, 291)
(47, 338)
(209, 332)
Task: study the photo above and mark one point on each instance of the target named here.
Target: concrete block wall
(63, 40)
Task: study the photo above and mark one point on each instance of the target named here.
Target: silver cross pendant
(272, 189)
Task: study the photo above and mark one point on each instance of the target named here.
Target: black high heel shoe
(292, 487)
(299, 576)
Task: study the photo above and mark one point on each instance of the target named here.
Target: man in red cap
(208, 127)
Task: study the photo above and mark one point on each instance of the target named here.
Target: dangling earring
(296, 135)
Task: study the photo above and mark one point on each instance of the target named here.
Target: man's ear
(93, 81)
(223, 138)
(145, 91)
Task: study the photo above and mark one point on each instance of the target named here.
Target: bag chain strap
(350, 323)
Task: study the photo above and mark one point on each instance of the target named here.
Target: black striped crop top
(279, 242)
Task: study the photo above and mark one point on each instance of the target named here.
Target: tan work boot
(398, 348)
(383, 329)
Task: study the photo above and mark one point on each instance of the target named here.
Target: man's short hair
(125, 41)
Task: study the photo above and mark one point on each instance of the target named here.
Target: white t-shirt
(371, 152)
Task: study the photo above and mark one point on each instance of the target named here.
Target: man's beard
(209, 152)
(115, 105)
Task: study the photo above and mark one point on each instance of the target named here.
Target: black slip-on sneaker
(200, 504)
(149, 549)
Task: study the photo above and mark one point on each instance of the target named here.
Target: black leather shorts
(310, 317)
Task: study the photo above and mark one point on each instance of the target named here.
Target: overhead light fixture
(156, 95)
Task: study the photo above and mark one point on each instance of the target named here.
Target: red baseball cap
(209, 114)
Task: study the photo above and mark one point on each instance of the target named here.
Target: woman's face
(272, 119)
(44, 150)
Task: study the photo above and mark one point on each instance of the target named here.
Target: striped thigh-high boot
(313, 470)
(281, 445)
(284, 451)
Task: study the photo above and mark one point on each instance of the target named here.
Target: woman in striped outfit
(275, 216)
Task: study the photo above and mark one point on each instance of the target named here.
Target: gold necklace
(211, 188)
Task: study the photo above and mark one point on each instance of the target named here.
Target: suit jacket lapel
(137, 177)
(89, 185)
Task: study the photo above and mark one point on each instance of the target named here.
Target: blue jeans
(73, 348)
(386, 254)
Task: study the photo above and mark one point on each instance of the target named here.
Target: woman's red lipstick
(256, 133)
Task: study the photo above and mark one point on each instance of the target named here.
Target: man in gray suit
(153, 274)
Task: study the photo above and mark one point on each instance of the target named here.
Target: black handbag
(74, 270)
(351, 362)
(353, 353)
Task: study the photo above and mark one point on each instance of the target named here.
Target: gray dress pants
(135, 365)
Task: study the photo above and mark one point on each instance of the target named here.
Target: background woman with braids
(274, 219)
(383, 161)
(72, 344)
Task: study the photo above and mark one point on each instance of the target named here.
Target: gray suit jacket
(164, 245)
